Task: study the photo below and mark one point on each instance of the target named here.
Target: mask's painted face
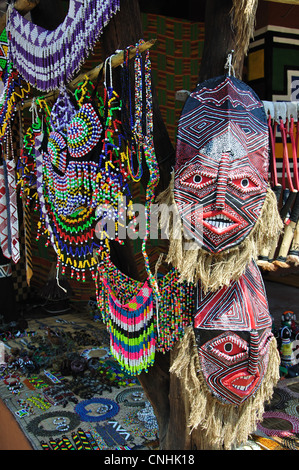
(233, 333)
(222, 163)
(234, 365)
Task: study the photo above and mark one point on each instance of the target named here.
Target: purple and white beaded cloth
(48, 59)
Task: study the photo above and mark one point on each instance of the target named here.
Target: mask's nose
(253, 353)
(222, 181)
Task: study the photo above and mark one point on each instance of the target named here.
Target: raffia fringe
(243, 15)
(222, 426)
(216, 270)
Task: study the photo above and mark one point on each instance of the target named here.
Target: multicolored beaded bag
(139, 326)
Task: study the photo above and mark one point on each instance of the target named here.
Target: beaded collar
(48, 59)
(65, 185)
(69, 168)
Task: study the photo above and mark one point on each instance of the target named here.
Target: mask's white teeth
(219, 221)
(244, 387)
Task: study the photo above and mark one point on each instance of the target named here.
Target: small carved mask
(233, 333)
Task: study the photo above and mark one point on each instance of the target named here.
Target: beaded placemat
(67, 392)
(279, 428)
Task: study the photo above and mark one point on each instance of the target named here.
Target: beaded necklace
(26, 168)
(14, 90)
(138, 130)
(71, 185)
(127, 306)
(66, 182)
(48, 59)
(144, 139)
(9, 219)
(133, 150)
(112, 194)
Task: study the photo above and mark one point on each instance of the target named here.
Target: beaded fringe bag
(139, 326)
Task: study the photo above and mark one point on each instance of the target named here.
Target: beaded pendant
(83, 132)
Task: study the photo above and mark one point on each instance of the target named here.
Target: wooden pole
(219, 39)
(116, 60)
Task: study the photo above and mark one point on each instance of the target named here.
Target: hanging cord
(272, 134)
(286, 170)
(229, 64)
(290, 211)
(57, 280)
(106, 68)
(294, 154)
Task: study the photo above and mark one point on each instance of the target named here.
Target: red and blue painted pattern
(221, 163)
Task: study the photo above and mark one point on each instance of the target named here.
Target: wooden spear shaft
(23, 7)
(116, 60)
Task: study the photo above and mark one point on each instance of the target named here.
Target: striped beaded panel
(132, 330)
(254, 352)
(222, 181)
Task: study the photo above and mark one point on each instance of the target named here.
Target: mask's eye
(245, 184)
(229, 347)
(194, 179)
(197, 179)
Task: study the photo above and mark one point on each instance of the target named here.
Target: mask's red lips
(241, 384)
(220, 222)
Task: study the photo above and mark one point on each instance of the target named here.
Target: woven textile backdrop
(176, 59)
